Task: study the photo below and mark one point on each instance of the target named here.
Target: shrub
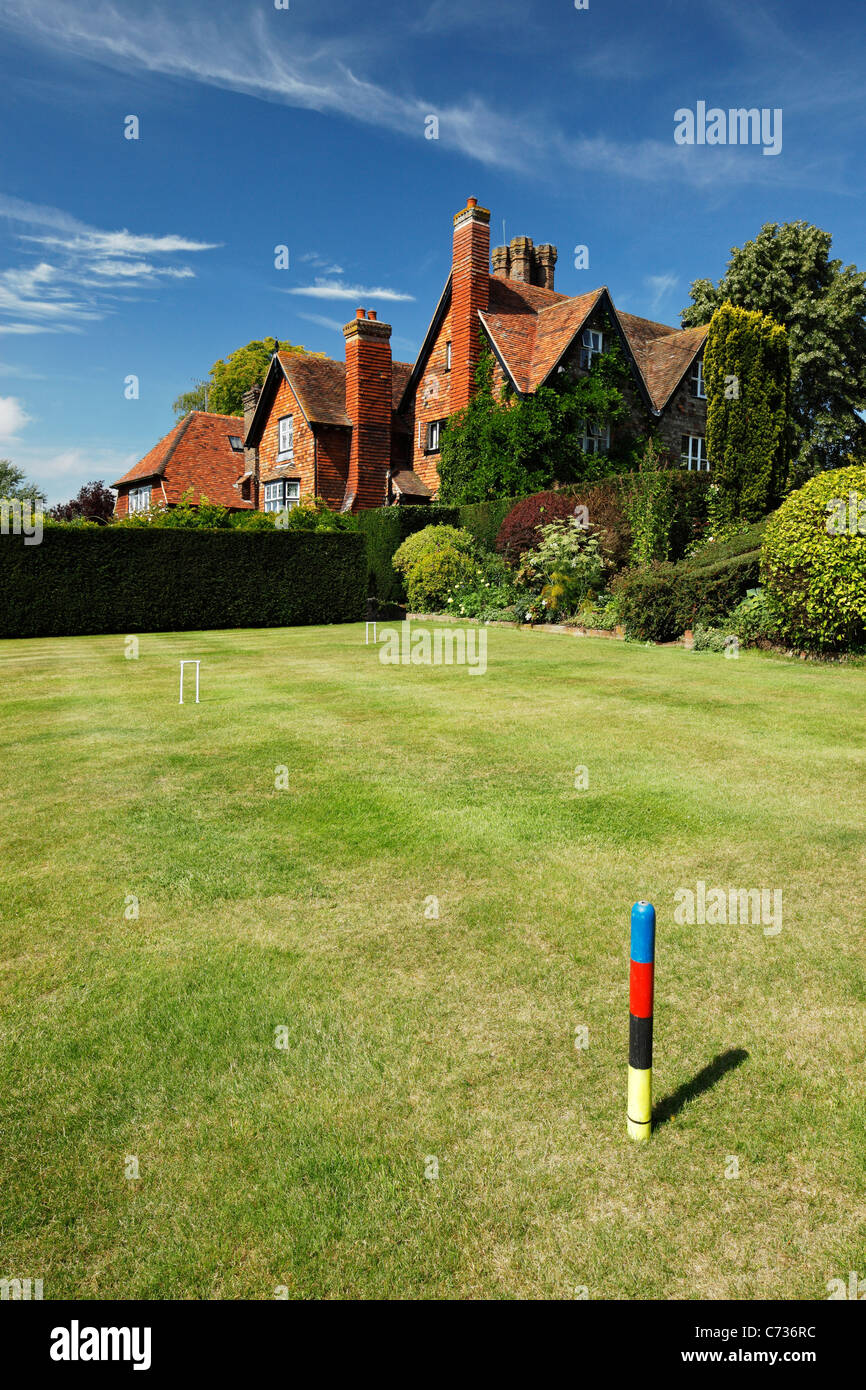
(707, 595)
(659, 602)
(385, 529)
(815, 571)
(726, 542)
(598, 612)
(434, 574)
(127, 579)
(711, 639)
(490, 592)
(646, 602)
(425, 542)
(519, 531)
(607, 519)
(754, 619)
(569, 550)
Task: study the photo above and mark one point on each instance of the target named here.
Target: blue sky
(306, 127)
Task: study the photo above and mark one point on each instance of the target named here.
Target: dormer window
(139, 498)
(696, 380)
(592, 345)
(286, 438)
(237, 443)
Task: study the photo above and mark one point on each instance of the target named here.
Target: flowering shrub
(489, 593)
(567, 549)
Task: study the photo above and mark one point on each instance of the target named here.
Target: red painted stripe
(641, 989)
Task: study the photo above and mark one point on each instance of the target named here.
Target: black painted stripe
(640, 1042)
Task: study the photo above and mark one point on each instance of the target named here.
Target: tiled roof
(196, 454)
(407, 484)
(533, 327)
(666, 360)
(320, 385)
(400, 374)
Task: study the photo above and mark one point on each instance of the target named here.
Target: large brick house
(365, 432)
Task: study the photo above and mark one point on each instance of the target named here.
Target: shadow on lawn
(711, 1073)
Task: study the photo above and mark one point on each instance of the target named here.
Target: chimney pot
(472, 202)
(359, 313)
(371, 313)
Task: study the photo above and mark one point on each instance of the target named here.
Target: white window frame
(592, 345)
(286, 426)
(696, 380)
(434, 435)
(281, 494)
(139, 498)
(694, 453)
(448, 356)
(596, 438)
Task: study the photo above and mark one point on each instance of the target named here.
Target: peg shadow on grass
(703, 1081)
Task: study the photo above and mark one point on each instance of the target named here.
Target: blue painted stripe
(643, 933)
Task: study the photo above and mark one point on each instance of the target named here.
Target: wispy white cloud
(88, 267)
(336, 289)
(322, 263)
(323, 322)
(12, 369)
(660, 286)
(320, 73)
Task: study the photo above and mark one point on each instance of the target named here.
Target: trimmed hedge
(119, 579)
(658, 603)
(384, 529)
(483, 519)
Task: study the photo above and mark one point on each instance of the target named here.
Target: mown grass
(408, 1037)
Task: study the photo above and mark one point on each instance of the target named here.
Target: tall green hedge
(483, 519)
(384, 529)
(748, 382)
(117, 579)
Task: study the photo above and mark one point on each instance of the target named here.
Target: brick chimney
(522, 258)
(369, 407)
(501, 256)
(470, 294)
(545, 261)
(251, 456)
(532, 265)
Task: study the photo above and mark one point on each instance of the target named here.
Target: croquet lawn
(241, 992)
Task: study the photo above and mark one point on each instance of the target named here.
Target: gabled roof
(196, 454)
(531, 328)
(664, 359)
(319, 385)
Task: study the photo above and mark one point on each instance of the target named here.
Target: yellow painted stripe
(640, 1102)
